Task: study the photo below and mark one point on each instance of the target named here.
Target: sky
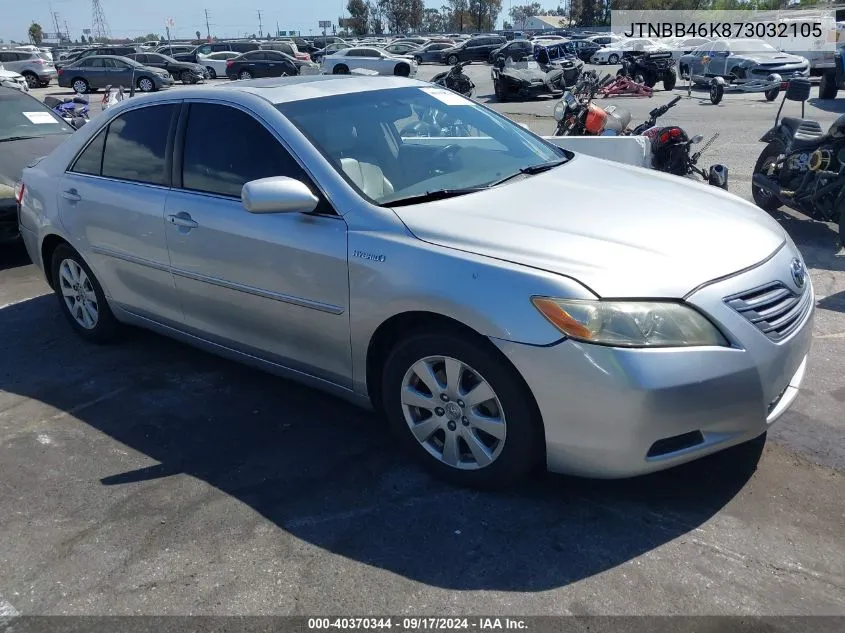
(133, 18)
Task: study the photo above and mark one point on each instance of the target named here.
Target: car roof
(278, 90)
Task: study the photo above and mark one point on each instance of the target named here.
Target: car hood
(771, 58)
(9, 74)
(524, 74)
(622, 231)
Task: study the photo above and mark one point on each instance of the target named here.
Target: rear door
(113, 198)
(118, 72)
(94, 71)
(271, 285)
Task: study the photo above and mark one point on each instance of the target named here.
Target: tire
(670, 79)
(105, 327)
(418, 60)
(212, 74)
(80, 86)
(31, 79)
(452, 60)
(145, 84)
(772, 94)
(402, 70)
(613, 59)
(717, 91)
(738, 73)
(761, 199)
(842, 224)
(514, 454)
(621, 73)
(188, 78)
(684, 71)
(639, 79)
(244, 75)
(501, 94)
(828, 88)
(650, 79)
(340, 69)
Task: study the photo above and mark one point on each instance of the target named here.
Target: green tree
(374, 10)
(522, 13)
(432, 21)
(360, 20)
(36, 33)
(416, 13)
(484, 13)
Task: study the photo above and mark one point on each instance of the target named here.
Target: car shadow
(828, 105)
(834, 302)
(13, 255)
(818, 241)
(330, 475)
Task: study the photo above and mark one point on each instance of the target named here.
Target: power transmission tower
(207, 27)
(260, 32)
(99, 26)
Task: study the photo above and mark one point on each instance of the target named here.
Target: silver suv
(37, 70)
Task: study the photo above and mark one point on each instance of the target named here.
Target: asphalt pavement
(150, 478)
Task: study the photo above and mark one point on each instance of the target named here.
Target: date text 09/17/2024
(417, 623)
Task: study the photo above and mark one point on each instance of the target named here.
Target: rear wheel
(717, 91)
(452, 60)
(762, 198)
(81, 298)
(772, 94)
(613, 59)
(461, 409)
(501, 93)
(827, 86)
(211, 72)
(80, 86)
(244, 74)
(650, 79)
(340, 69)
(188, 77)
(402, 70)
(31, 79)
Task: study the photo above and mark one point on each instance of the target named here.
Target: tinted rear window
(136, 145)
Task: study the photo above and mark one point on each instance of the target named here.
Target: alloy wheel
(453, 412)
(78, 294)
(80, 87)
(145, 84)
(245, 74)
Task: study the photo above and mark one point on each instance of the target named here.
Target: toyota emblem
(799, 273)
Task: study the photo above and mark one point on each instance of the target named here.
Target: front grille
(774, 309)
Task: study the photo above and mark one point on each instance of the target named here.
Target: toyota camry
(470, 285)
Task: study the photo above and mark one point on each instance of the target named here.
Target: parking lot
(148, 477)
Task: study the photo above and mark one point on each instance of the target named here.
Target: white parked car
(613, 54)
(215, 63)
(11, 79)
(683, 45)
(608, 39)
(369, 58)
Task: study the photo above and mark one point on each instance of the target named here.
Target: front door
(274, 286)
(113, 197)
(118, 72)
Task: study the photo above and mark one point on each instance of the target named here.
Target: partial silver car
(741, 60)
(35, 67)
(492, 294)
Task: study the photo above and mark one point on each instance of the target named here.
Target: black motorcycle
(649, 68)
(801, 167)
(455, 79)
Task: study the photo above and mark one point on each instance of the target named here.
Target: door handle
(72, 195)
(182, 219)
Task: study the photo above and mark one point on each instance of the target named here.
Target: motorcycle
(801, 167)
(525, 79)
(455, 79)
(670, 145)
(74, 110)
(432, 122)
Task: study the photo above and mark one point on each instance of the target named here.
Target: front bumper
(611, 412)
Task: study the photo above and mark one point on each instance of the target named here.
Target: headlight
(560, 110)
(630, 323)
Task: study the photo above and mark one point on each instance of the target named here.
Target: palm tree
(36, 33)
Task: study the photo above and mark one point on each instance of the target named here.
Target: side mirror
(277, 194)
(696, 139)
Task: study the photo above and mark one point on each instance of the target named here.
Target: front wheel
(827, 86)
(340, 69)
(768, 157)
(145, 84)
(499, 90)
(461, 409)
(188, 78)
(81, 297)
(613, 59)
(772, 94)
(670, 78)
(452, 60)
(717, 91)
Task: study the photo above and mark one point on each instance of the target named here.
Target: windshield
(402, 143)
(751, 46)
(22, 116)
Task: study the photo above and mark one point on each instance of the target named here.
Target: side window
(5, 57)
(90, 161)
(220, 159)
(95, 62)
(205, 49)
(136, 145)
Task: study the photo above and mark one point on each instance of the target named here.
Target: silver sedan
(504, 302)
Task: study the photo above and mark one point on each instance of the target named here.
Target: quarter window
(136, 145)
(221, 159)
(90, 161)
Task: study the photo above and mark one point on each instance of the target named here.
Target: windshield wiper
(531, 170)
(431, 196)
(16, 138)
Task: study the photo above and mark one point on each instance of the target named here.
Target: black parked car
(261, 64)
(28, 129)
(473, 49)
(583, 49)
(430, 52)
(174, 49)
(185, 71)
(121, 51)
(213, 47)
(515, 49)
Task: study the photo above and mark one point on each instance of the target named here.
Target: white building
(544, 23)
